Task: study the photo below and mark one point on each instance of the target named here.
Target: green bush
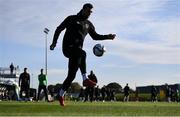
(141, 97)
(120, 97)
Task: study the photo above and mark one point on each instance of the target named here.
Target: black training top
(77, 28)
(24, 79)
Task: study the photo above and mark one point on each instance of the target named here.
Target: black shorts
(73, 52)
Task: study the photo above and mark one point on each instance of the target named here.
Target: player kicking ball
(77, 27)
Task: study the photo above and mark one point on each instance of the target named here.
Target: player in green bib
(42, 85)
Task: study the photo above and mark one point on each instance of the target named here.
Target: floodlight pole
(46, 30)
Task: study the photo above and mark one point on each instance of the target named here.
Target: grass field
(89, 109)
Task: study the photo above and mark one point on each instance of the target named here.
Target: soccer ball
(98, 50)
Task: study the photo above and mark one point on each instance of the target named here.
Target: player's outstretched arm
(58, 30)
(97, 36)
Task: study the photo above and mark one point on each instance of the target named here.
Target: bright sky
(146, 50)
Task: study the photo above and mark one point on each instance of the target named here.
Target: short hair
(25, 69)
(88, 5)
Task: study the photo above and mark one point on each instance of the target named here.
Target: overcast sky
(146, 50)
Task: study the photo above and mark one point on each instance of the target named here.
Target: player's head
(41, 71)
(87, 10)
(25, 69)
(91, 72)
(87, 5)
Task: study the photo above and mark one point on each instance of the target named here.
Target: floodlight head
(46, 30)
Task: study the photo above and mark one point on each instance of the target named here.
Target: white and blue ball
(98, 50)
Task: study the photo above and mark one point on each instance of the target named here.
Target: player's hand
(52, 46)
(111, 36)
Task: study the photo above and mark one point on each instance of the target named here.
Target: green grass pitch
(9, 108)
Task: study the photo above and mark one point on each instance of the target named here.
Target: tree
(115, 86)
(74, 88)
